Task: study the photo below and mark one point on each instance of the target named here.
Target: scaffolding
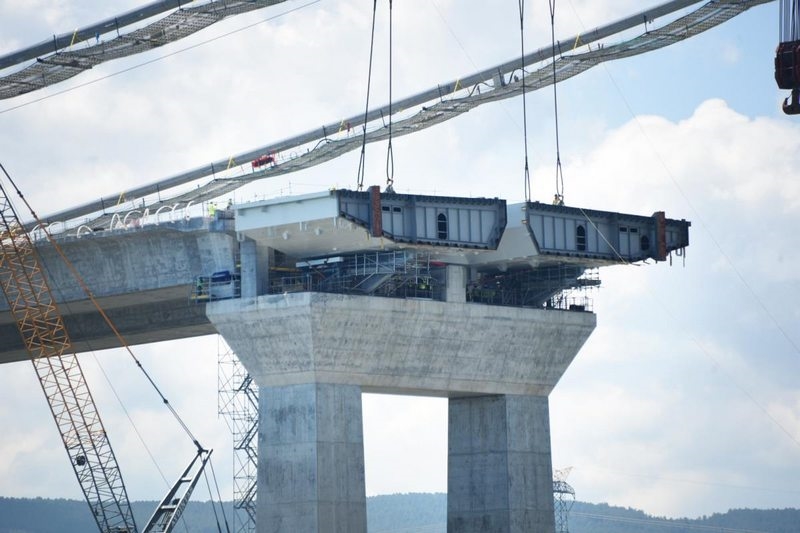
(561, 286)
(394, 274)
(238, 404)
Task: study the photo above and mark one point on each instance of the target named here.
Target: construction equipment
(45, 337)
(238, 403)
(787, 56)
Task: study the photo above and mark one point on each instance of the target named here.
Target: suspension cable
(361, 162)
(389, 152)
(559, 197)
(527, 178)
(71, 267)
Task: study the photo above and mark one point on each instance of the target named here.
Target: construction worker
(212, 209)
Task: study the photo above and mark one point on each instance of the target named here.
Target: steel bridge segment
(490, 85)
(54, 67)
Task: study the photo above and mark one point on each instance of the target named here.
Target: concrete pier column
(254, 268)
(499, 470)
(248, 269)
(456, 284)
(311, 460)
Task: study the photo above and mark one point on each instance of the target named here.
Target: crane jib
(41, 325)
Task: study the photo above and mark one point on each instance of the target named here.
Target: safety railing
(218, 286)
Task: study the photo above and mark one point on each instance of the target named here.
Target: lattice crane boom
(42, 328)
(45, 337)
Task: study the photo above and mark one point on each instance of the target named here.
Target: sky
(684, 401)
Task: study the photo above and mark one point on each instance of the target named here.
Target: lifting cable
(527, 178)
(559, 197)
(90, 295)
(789, 21)
(361, 162)
(389, 153)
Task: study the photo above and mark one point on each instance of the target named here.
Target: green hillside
(405, 513)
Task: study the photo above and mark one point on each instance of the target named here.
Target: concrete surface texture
(401, 346)
(499, 471)
(142, 279)
(311, 460)
(313, 354)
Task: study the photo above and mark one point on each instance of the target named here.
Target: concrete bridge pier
(311, 459)
(376, 325)
(313, 354)
(499, 471)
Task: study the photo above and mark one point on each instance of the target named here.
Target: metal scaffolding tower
(238, 403)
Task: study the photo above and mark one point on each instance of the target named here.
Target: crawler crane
(41, 326)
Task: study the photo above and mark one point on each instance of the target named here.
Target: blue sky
(685, 399)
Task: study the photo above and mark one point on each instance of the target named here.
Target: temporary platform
(387, 244)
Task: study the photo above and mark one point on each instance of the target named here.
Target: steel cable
(527, 177)
(389, 152)
(361, 162)
(559, 197)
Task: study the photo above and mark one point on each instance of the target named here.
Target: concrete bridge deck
(141, 277)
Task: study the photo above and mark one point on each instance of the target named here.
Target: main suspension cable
(361, 162)
(527, 177)
(389, 153)
(558, 199)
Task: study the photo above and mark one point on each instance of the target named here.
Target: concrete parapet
(401, 346)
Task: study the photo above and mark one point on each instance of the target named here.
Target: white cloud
(731, 53)
(665, 405)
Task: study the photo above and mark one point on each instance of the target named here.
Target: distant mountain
(603, 518)
(22, 515)
(404, 513)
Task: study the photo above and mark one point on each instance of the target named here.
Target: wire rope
(213, 506)
(361, 161)
(527, 175)
(155, 60)
(219, 496)
(71, 267)
(389, 152)
(789, 20)
(559, 196)
(128, 415)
